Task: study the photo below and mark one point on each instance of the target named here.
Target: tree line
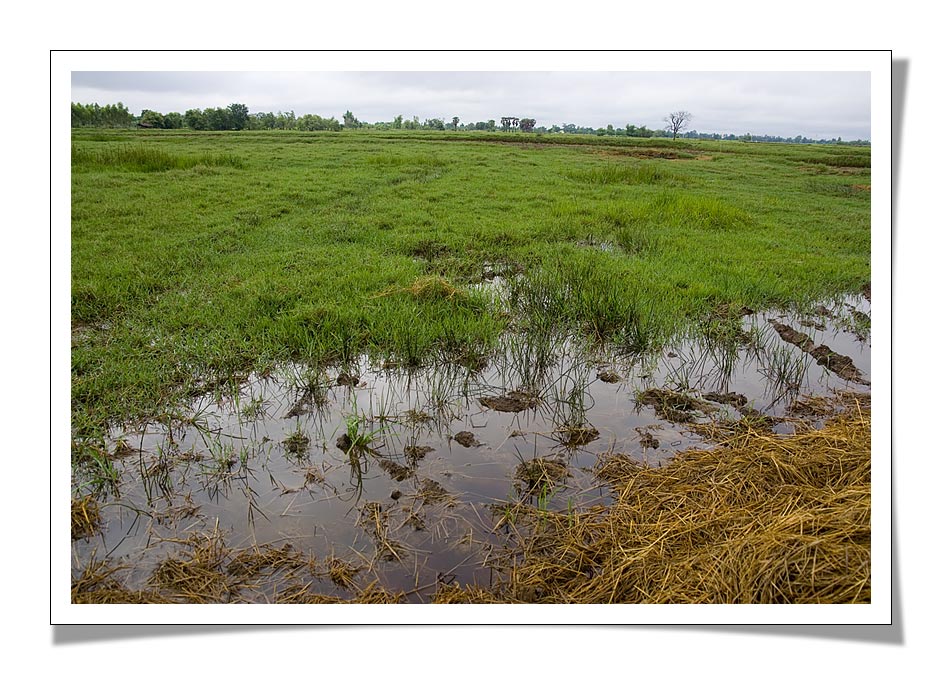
(236, 117)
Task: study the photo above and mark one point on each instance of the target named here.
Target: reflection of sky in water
(234, 467)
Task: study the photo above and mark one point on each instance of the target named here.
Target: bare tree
(678, 121)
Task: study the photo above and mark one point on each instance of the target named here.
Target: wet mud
(839, 364)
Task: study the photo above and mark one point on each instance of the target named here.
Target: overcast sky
(813, 104)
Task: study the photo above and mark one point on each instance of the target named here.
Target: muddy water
(416, 504)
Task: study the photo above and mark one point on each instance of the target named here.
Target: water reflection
(409, 474)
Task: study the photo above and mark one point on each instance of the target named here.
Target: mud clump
(514, 401)
(576, 436)
(647, 439)
(432, 492)
(414, 453)
(297, 444)
(673, 406)
(609, 377)
(792, 336)
(731, 398)
(347, 380)
(397, 472)
(466, 438)
(842, 366)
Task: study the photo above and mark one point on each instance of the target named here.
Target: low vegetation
(759, 518)
(201, 261)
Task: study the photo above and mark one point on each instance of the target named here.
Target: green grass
(200, 257)
(143, 158)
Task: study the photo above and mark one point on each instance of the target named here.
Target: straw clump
(86, 519)
(427, 287)
(758, 519)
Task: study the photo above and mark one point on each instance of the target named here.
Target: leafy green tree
(397, 122)
(218, 119)
(238, 114)
(151, 119)
(195, 119)
(454, 123)
(173, 120)
(527, 124)
(349, 121)
(94, 115)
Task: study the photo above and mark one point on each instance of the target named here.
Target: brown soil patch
(432, 492)
(415, 453)
(843, 366)
(576, 436)
(647, 439)
(731, 398)
(514, 401)
(792, 336)
(465, 438)
(647, 153)
(348, 380)
(673, 406)
(396, 471)
(609, 377)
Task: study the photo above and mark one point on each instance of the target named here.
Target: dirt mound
(842, 366)
(514, 401)
(466, 438)
(673, 406)
(730, 398)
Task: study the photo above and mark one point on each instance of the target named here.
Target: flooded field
(355, 484)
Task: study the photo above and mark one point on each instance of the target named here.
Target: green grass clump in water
(185, 280)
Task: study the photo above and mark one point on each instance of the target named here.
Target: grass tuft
(146, 159)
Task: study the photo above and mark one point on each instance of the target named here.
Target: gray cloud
(815, 104)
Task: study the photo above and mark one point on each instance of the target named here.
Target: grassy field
(199, 257)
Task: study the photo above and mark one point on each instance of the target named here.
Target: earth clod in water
(466, 438)
(514, 401)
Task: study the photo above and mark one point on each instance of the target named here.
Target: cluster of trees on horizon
(236, 117)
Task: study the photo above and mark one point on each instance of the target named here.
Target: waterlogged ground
(308, 483)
